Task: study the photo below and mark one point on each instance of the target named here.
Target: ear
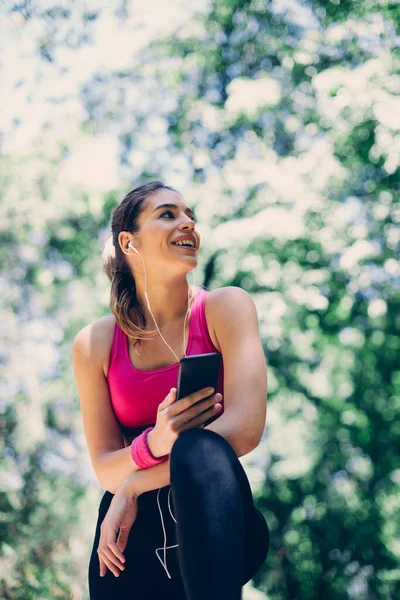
(124, 240)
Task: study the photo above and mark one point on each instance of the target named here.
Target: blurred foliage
(280, 123)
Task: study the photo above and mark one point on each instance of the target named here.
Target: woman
(178, 516)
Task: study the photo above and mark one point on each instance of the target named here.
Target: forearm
(149, 479)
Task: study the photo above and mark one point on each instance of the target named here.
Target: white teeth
(184, 242)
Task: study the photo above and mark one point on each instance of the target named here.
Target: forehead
(163, 197)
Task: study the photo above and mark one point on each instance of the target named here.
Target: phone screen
(196, 372)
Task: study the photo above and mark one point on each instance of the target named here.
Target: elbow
(110, 488)
(109, 484)
(109, 473)
(247, 440)
(248, 447)
(242, 445)
(106, 484)
(253, 442)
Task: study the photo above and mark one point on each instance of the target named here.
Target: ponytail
(123, 303)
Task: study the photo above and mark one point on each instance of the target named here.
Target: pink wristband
(141, 454)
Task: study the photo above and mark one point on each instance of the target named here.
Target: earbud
(133, 247)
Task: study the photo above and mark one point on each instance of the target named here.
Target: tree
(281, 126)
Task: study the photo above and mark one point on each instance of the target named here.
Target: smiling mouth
(191, 248)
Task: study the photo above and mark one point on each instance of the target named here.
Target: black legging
(222, 538)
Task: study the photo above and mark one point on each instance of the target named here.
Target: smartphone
(198, 371)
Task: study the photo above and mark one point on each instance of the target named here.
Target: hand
(120, 516)
(175, 417)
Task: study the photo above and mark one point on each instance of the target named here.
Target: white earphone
(133, 248)
(190, 299)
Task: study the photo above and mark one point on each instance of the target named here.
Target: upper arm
(102, 430)
(235, 322)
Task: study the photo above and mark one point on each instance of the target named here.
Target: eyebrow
(171, 206)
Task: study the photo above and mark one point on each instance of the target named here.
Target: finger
(115, 559)
(192, 399)
(195, 410)
(168, 400)
(107, 552)
(202, 418)
(116, 551)
(201, 394)
(110, 565)
(103, 567)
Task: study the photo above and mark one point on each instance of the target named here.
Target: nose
(188, 223)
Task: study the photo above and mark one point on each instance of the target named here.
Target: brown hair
(123, 303)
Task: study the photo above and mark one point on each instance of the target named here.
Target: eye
(171, 213)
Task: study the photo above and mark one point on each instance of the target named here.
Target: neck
(168, 301)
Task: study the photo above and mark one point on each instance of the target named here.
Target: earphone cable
(165, 547)
(190, 302)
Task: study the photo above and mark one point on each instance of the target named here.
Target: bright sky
(38, 91)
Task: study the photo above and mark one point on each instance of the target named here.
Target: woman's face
(161, 225)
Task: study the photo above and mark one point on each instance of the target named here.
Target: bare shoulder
(223, 298)
(224, 305)
(94, 341)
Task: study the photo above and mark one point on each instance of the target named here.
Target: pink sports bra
(137, 393)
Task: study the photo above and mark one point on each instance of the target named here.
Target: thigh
(144, 577)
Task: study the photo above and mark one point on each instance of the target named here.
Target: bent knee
(199, 446)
